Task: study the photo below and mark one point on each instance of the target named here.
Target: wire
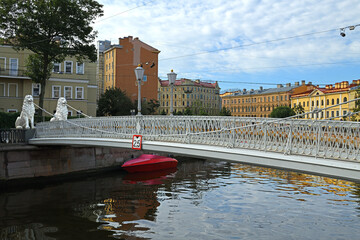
(103, 19)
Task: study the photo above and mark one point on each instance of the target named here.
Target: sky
(243, 43)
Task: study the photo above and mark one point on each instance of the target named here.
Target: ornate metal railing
(12, 136)
(327, 139)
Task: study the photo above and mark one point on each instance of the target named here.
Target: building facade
(261, 102)
(328, 97)
(193, 94)
(76, 81)
(120, 62)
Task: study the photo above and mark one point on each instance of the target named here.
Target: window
(2, 65)
(332, 101)
(79, 93)
(327, 102)
(68, 67)
(68, 92)
(13, 66)
(56, 91)
(36, 88)
(79, 68)
(345, 99)
(12, 90)
(337, 101)
(57, 67)
(2, 90)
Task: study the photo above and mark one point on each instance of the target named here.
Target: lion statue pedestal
(27, 114)
(61, 113)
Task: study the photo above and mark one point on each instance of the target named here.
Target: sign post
(137, 142)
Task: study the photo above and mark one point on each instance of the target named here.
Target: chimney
(327, 87)
(337, 85)
(244, 90)
(261, 88)
(346, 84)
(279, 86)
(310, 83)
(288, 85)
(296, 84)
(302, 82)
(330, 86)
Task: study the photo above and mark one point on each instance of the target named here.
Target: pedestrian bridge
(317, 146)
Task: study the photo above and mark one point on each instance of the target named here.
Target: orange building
(120, 62)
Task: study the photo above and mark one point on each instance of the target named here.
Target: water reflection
(198, 200)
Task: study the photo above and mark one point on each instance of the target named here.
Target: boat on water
(148, 163)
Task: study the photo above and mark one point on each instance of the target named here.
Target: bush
(7, 120)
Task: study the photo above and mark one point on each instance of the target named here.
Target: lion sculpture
(27, 113)
(61, 113)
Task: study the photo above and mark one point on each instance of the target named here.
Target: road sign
(137, 142)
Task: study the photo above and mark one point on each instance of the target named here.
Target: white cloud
(180, 28)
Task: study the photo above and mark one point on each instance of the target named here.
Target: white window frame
(4, 65)
(71, 92)
(11, 110)
(4, 89)
(34, 85)
(71, 71)
(17, 89)
(70, 113)
(57, 64)
(13, 72)
(77, 68)
(52, 91)
(76, 92)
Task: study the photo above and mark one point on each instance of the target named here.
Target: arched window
(332, 101)
(337, 101)
(345, 99)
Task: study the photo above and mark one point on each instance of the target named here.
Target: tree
(357, 106)
(52, 30)
(225, 112)
(298, 109)
(282, 112)
(197, 108)
(114, 102)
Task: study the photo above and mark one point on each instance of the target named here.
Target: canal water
(200, 200)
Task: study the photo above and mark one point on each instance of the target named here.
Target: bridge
(316, 146)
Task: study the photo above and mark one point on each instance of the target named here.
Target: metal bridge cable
(44, 110)
(78, 111)
(221, 130)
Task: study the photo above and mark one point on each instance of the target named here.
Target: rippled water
(199, 200)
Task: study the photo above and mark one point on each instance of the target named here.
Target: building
(192, 94)
(326, 97)
(76, 81)
(261, 102)
(120, 62)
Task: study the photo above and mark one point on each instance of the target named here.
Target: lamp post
(172, 79)
(139, 73)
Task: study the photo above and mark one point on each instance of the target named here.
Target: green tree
(282, 112)
(357, 106)
(298, 109)
(148, 107)
(52, 30)
(187, 111)
(114, 102)
(197, 108)
(225, 112)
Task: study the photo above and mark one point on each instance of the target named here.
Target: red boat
(149, 162)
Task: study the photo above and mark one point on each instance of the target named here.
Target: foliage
(357, 106)
(52, 30)
(187, 111)
(282, 112)
(225, 112)
(163, 112)
(114, 102)
(149, 108)
(7, 120)
(198, 109)
(298, 109)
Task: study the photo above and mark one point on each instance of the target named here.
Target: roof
(189, 82)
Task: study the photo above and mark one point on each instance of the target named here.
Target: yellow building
(327, 97)
(73, 80)
(261, 102)
(189, 94)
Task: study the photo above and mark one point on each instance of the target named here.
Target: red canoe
(149, 162)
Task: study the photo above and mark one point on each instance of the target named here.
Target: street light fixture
(172, 79)
(139, 73)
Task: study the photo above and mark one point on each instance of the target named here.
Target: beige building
(331, 95)
(261, 102)
(70, 79)
(192, 94)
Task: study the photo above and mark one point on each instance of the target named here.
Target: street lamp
(139, 73)
(172, 79)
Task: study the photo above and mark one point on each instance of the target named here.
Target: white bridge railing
(321, 138)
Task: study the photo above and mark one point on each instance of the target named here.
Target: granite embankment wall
(21, 161)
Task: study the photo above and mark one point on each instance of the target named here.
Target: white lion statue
(27, 113)
(61, 113)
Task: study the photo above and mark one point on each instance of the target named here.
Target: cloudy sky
(243, 43)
